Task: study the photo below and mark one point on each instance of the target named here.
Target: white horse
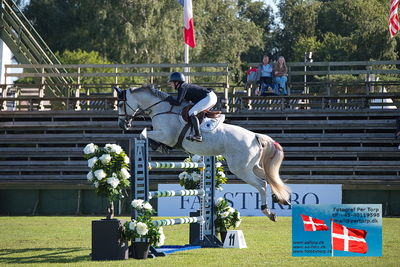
(254, 158)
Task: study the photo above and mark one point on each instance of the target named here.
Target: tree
(299, 19)
(83, 57)
(362, 23)
(262, 16)
(223, 36)
(148, 31)
(340, 29)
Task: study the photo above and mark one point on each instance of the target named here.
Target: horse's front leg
(158, 142)
(159, 136)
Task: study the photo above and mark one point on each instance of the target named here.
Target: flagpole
(186, 58)
(332, 237)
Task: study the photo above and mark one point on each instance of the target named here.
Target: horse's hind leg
(249, 177)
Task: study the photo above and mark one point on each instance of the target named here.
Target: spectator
(280, 74)
(264, 75)
(252, 80)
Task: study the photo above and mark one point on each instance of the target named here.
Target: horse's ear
(117, 89)
(120, 92)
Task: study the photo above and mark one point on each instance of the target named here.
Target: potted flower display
(141, 231)
(225, 217)
(190, 177)
(109, 174)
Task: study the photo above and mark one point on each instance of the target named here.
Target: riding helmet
(177, 77)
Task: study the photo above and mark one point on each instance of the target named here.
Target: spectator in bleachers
(265, 75)
(280, 76)
(251, 82)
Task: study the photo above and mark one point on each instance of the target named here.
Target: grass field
(66, 241)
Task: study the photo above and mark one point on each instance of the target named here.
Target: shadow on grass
(43, 255)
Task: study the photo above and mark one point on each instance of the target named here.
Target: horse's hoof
(270, 215)
(285, 202)
(275, 198)
(273, 217)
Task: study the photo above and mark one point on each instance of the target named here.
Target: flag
(313, 224)
(393, 18)
(188, 22)
(348, 239)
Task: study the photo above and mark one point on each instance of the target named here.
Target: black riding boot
(196, 127)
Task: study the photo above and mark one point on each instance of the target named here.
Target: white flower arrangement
(109, 170)
(113, 148)
(190, 177)
(226, 216)
(143, 226)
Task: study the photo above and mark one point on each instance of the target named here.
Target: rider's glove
(170, 99)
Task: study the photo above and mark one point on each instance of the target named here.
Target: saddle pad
(208, 124)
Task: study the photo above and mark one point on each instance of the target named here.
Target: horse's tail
(271, 160)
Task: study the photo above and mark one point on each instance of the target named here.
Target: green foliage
(190, 177)
(231, 31)
(79, 56)
(223, 36)
(305, 44)
(300, 20)
(335, 46)
(146, 31)
(337, 30)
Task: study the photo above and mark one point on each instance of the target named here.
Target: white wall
(5, 58)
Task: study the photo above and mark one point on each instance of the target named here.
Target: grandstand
(41, 154)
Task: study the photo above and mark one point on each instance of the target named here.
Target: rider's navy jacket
(189, 92)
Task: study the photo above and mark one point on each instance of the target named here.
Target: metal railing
(27, 45)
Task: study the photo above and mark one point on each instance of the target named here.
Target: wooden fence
(325, 85)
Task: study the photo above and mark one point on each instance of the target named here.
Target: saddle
(204, 114)
(200, 116)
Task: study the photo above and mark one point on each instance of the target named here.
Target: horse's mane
(160, 94)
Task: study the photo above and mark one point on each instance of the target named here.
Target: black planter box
(194, 230)
(107, 242)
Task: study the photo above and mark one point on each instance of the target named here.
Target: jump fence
(140, 190)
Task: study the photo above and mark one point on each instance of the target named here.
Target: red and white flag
(313, 224)
(188, 21)
(393, 18)
(348, 239)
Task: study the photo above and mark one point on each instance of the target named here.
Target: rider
(202, 98)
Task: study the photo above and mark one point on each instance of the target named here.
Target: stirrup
(197, 138)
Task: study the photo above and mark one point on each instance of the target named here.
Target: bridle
(122, 98)
(136, 112)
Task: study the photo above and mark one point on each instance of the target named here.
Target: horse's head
(134, 101)
(127, 107)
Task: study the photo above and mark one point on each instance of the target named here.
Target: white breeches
(208, 102)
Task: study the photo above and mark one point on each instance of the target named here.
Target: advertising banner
(337, 230)
(246, 199)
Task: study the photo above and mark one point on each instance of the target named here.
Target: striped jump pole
(176, 193)
(186, 220)
(175, 165)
